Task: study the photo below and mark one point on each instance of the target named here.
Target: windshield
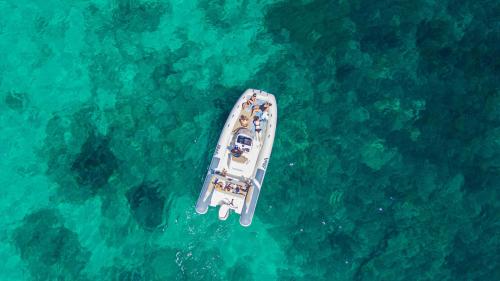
(244, 140)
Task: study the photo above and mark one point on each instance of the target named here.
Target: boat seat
(241, 159)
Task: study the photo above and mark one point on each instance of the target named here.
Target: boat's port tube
(204, 199)
(260, 172)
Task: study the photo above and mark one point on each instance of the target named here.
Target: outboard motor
(224, 211)
(225, 207)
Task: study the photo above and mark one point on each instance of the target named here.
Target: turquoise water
(386, 163)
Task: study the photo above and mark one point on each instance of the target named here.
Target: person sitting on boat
(236, 151)
(243, 121)
(253, 99)
(256, 124)
(255, 109)
(265, 111)
(219, 185)
(246, 105)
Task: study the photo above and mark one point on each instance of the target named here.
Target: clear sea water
(386, 163)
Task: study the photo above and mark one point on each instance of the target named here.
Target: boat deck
(235, 182)
(229, 190)
(239, 165)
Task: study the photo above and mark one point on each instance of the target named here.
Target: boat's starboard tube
(248, 211)
(262, 162)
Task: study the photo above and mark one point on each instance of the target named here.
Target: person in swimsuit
(218, 184)
(249, 103)
(256, 123)
(253, 99)
(255, 109)
(246, 105)
(265, 111)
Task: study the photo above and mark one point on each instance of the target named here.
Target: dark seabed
(386, 163)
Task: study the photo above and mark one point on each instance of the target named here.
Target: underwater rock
(122, 274)
(161, 73)
(218, 15)
(130, 276)
(315, 26)
(344, 71)
(432, 40)
(380, 38)
(147, 205)
(16, 101)
(95, 163)
(51, 250)
(359, 115)
(375, 155)
(79, 158)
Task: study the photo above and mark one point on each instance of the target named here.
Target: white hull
(246, 172)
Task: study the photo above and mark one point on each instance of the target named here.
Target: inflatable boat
(239, 164)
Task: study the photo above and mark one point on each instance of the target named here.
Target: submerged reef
(16, 101)
(50, 250)
(80, 158)
(148, 205)
(95, 163)
(138, 16)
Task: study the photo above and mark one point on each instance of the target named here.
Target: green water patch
(163, 264)
(240, 271)
(203, 264)
(158, 264)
